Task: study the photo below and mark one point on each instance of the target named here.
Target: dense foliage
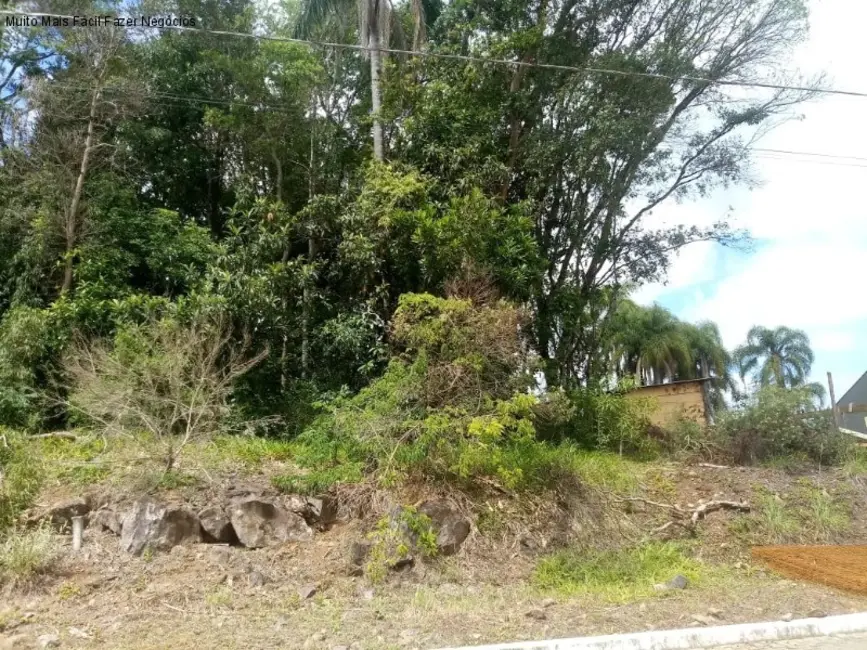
(405, 245)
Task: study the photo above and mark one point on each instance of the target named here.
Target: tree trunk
(279, 181)
(375, 91)
(71, 225)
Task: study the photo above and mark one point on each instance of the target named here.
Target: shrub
(171, 381)
(20, 477)
(447, 408)
(396, 539)
(24, 554)
(611, 421)
(778, 422)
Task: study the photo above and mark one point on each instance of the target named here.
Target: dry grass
(26, 555)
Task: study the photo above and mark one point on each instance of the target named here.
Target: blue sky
(808, 218)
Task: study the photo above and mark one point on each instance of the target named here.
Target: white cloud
(810, 217)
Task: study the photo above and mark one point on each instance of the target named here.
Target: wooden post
(834, 413)
(77, 532)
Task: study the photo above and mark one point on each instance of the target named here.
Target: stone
(259, 523)
(321, 510)
(319, 636)
(704, 620)
(549, 602)
(817, 613)
(216, 526)
(716, 613)
(677, 582)
(787, 617)
(151, 524)
(358, 553)
(48, 641)
(537, 614)
(62, 512)
(106, 519)
(452, 527)
(78, 633)
(257, 578)
(340, 647)
(307, 591)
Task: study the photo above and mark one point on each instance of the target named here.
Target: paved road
(847, 642)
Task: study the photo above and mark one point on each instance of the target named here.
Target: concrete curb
(703, 637)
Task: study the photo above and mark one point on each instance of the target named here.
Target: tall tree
(651, 343)
(781, 356)
(375, 27)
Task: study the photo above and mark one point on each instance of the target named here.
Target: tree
(781, 356)
(375, 26)
(712, 360)
(595, 153)
(651, 343)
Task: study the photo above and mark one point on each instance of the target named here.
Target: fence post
(834, 414)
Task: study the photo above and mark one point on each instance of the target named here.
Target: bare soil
(843, 567)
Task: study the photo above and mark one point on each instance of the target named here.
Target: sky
(808, 266)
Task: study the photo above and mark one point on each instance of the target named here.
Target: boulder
(62, 512)
(319, 511)
(216, 526)
(259, 523)
(358, 553)
(161, 527)
(451, 527)
(106, 520)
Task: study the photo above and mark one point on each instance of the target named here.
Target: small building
(855, 399)
(687, 399)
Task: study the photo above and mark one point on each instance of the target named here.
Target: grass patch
(807, 515)
(317, 482)
(26, 554)
(22, 477)
(856, 465)
(604, 469)
(249, 451)
(618, 576)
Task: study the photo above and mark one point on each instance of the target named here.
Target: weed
(22, 476)
(147, 555)
(250, 451)
(661, 484)
(68, 590)
(621, 575)
(219, 597)
(825, 515)
(25, 554)
(173, 480)
(317, 482)
(856, 464)
(491, 521)
(396, 538)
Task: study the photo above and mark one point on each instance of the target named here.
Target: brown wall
(678, 400)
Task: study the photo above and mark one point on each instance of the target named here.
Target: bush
(447, 408)
(20, 477)
(169, 381)
(609, 420)
(778, 422)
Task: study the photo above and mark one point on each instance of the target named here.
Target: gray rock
(817, 613)
(787, 617)
(452, 528)
(259, 523)
(106, 519)
(151, 524)
(257, 578)
(537, 614)
(62, 512)
(78, 633)
(216, 525)
(307, 591)
(322, 510)
(716, 613)
(358, 553)
(677, 582)
(48, 641)
(704, 620)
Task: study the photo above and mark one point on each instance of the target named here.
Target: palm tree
(711, 359)
(375, 26)
(781, 356)
(651, 343)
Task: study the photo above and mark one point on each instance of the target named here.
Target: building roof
(857, 394)
(674, 383)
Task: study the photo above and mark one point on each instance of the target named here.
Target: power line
(809, 153)
(477, 59)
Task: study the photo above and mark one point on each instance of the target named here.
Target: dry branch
(686, 518)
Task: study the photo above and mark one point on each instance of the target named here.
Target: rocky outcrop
(106, 519)
(451, 527)
(61, 513)
(259, 522)
(151, 524)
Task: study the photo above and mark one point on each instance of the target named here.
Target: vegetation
(25, 554)
(618, 575)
